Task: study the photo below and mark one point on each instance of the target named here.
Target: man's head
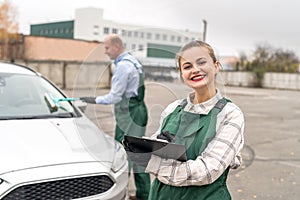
(113, 46)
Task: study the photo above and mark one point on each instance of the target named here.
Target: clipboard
(156, 147)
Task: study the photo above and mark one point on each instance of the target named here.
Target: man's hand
(88, 99)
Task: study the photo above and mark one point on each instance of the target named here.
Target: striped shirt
(222, 152)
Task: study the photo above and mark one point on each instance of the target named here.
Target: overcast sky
(233, 26)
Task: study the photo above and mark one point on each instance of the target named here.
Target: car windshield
(23, 97)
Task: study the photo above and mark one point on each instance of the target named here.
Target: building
(67, 62)
(62, 49)
(156, 46)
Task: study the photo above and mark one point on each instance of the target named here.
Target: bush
(268, 59)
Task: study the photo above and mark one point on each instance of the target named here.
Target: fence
(70, 75)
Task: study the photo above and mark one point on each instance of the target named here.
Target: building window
(165, 37)
(178, 39)
(125, 45)
(172, 38)
(141, 47)
(115, 31)
(106, 30)
(142, 34)
(129, 33)
(56, 31)
(149, 36)
(157, 36)
(186, 39)
(96, 33)
(41, 32)
(67, 30)
(136, 34)
(123, 32)
(133, 46)
(96, 26)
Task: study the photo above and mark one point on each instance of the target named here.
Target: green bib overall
(131, 119)
(195, 131)
(131, 113)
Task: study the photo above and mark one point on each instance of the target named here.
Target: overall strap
(183, 103)
(211, 132)
(134, 63)
(179, 120)
(141, 87)
(221, 104)
(208, 128)
(217, 109)
(218, 106)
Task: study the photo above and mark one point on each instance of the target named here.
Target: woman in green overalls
(209, 125)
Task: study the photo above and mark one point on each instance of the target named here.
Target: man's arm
(118, 88)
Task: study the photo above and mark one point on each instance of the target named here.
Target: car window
(23, 96)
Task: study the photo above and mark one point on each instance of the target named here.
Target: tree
(242, 65)
(284, 61)
(9, 28)
(269, 59)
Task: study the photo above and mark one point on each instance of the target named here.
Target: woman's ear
(217, 66)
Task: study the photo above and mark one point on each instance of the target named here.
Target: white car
(49, 149)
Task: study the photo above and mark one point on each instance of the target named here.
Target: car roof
(15, 69)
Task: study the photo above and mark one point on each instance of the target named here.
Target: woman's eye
(186, 66)
(200, 63)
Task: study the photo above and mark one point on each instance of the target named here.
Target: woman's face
(198, 69)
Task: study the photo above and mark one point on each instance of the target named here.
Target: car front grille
(62, 189)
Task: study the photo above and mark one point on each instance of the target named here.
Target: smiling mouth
(198, 78)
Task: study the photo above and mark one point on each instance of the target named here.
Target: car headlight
(120, 157)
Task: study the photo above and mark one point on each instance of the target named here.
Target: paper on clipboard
(157, 147)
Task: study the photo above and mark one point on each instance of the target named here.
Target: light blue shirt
(125, 80)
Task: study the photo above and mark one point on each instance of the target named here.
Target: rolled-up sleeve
(223, 151)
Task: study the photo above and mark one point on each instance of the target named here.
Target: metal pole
(204, 30)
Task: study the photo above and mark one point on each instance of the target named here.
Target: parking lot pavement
(271, 167)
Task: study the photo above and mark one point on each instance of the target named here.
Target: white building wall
(90, 25)
(86, 23)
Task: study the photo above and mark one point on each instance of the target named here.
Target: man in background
(127, 95)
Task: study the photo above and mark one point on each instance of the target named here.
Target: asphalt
(271, 166)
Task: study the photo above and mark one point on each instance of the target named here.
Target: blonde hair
(115, 39)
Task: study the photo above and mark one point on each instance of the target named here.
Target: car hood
(43, 142)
